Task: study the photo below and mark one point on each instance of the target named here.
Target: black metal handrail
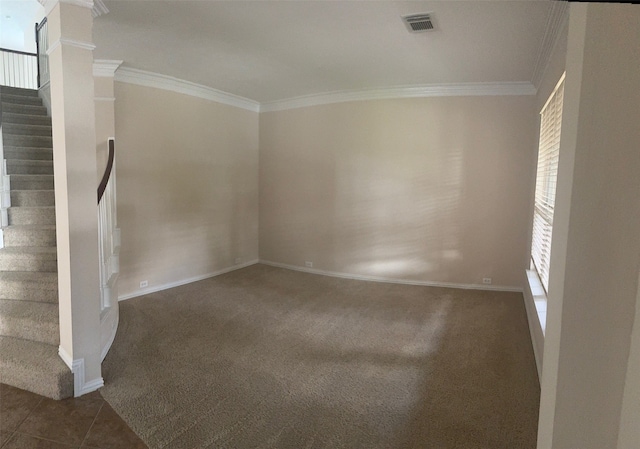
(8, 50)
(38, 28)
(107, 171)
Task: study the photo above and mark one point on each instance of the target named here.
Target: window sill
(539, 298)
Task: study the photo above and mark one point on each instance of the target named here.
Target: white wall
(187, 173)
(424, 189)
(595, 257)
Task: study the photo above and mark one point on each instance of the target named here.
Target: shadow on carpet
(270, 358)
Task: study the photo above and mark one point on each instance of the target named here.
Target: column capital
(97, 7)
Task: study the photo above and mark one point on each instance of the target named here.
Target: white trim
(158, 81)
(555, 22)
(89, 387)
(360, 277)
(106, 67)
(157, 288)
(112, 336)
(66, 358)
(535, 302)
(99, 8)
(431, 90)
(104, 98)
(50, 4)
(71, 43)
(76, 366)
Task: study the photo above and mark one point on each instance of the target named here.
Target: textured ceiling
(274, 50)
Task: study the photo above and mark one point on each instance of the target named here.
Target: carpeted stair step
(29, 109)
(32, 215)
(31, 130)
(25, 119)
(25, 153)
(30, 235)
(21, 99)
(18, 91)
(32, 198)
(29, 286)
(35, 367)
(29, 258)
(26, 167)
(31, 182)
(19, 140)
(36, 321)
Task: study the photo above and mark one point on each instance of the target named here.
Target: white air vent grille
(419, 23)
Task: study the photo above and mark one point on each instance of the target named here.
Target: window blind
(546, 179)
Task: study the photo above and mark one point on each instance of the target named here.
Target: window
(548, 151)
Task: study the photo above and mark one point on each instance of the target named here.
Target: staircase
(29, 315)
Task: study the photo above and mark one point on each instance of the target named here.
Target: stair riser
(42, 372)
(29, 168)
(32, 198)
(30, 321)
(18, 91)
(31, 154)
(24, 109)
(27, 141)
(42, 182)
(31, 216)
(28, 291)
(25, 119)
(31, 130)
(8, 263)
(20, 99)
(29, 237)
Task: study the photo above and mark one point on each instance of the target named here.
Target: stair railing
(18, 69)
(42, 44)
(108, 231)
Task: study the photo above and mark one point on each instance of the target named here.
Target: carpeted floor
(271, 358)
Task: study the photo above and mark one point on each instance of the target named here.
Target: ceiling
(273, 50)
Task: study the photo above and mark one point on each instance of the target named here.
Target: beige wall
(187, 173)
(595, 257)
(428, 189)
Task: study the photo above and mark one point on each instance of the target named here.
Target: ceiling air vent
(419, 23)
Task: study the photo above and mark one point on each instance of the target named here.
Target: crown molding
(106, 67)
(71, 43)
(432, 90)
(50, 4)
(158, 81)
(556, 20)
(99, 8)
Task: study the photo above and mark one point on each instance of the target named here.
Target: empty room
(319, 224)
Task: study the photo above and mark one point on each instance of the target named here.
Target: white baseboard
(157, 288)
(360, 277)
(80, 386)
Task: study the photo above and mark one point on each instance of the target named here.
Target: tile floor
(30, 421)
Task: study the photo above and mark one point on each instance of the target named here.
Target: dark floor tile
(15, 406)
(66, 421)
(109, 431)
(22, 441)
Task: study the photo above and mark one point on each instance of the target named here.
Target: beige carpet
(271, 358)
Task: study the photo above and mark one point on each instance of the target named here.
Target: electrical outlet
(238, 260)
(144, 284)
(308, 264)
(486, 281)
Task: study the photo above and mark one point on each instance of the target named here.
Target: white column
(74, 153)
(595, 256)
